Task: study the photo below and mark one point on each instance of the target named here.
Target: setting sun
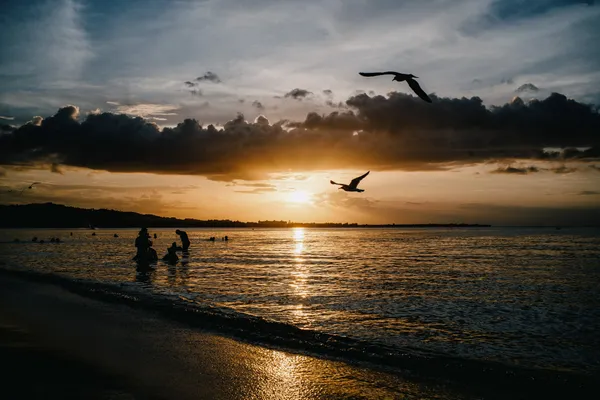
(300, 197)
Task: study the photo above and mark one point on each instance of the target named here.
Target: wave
(259, 330)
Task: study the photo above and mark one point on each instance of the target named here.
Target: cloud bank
(397, 132)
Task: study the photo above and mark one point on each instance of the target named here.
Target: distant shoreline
(300, 225)
(50, 215)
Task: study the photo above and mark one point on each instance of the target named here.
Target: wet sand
(62, 345)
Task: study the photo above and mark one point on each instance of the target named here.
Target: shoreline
(135, 354)
(48, 299)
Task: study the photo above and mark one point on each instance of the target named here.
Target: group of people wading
(146, 254)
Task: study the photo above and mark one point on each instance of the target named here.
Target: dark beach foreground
(58, 344)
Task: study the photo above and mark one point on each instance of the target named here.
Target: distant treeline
(49, 215)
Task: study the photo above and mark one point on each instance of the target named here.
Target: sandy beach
(62, 345)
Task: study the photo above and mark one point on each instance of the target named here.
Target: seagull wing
(378, 73)
(354, 183)
(417, 89)
(333, 183)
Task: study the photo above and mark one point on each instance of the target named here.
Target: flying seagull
(352, 187)
(30, 186)
(402, 77)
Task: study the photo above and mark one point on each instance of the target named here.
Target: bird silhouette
(402, 77)
(352, 187)
(30, 186)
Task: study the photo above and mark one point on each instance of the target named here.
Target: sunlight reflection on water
(526, 296)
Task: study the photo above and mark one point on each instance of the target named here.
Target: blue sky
(132, 53)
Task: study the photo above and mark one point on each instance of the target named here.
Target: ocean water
(526, 297)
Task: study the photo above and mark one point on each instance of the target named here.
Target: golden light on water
(299, 272)
(299, 243)
(298, 234)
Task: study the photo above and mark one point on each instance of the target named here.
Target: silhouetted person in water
(171, 256)
(115, 235)
(145, 252)
(155, 237)
(152, 256)
(185, 241)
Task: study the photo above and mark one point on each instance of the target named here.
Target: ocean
(517, 297)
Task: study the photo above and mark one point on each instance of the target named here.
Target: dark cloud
(335, 105)
(588, 193)
(379, 133)
(527, 87)
(345, 121)
(193, 88)
(328, 92)
(261, 120)
(258, 105)
(209, 76)
(297, 94)
(515, 170)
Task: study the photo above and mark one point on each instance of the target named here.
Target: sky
(246, 110)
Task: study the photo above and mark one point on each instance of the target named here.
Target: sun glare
(300, 197)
